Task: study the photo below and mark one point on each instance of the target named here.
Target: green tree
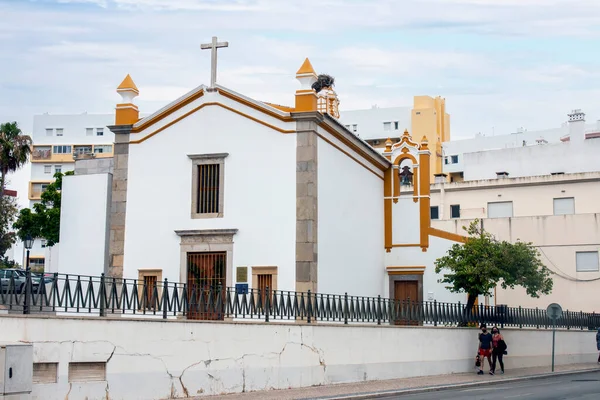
(44, 220)
(8, 213)
(482, 263)
(15, 149)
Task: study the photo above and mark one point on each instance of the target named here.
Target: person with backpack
(498, 350)
(598, 344)
(485, 349)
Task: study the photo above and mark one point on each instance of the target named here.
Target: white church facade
(220, 189)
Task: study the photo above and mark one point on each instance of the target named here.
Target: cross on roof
(213, 46)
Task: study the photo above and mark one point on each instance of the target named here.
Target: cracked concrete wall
(154, 359)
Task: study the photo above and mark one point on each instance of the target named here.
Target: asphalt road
(580, 386)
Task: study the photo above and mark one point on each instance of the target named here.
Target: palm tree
(15, 149)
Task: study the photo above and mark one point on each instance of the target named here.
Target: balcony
(41, 155)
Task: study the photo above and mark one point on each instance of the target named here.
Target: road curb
(401, 392)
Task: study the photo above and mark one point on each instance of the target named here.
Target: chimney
(576, 126)
(127, 113)
(502, 175)
(306, 96)
(440, 178)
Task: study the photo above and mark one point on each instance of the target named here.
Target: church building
(220, 189)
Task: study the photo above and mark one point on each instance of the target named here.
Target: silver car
(19, 277)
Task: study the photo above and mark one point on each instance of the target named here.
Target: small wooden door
(406, 294)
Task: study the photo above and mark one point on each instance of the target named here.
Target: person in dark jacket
(498, 349)
(598, 344)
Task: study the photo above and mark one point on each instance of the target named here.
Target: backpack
(502, 347)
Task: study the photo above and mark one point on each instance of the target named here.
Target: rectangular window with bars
(208, 188)
(207, 185)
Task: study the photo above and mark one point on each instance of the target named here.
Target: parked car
(19, 277)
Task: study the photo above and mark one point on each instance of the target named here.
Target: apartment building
(559, 214)
(571, 148)
(58, 141)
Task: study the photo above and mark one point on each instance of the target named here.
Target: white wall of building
(74, 128)
(369, 123)
(259, 191)
(567, 157)
(180, 359)
(350, 225)
(83, 224)
(40, 172)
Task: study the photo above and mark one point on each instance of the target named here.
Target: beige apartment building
(559, 214)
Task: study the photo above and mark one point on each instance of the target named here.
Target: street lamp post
(28, 243)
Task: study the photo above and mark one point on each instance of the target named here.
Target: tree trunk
(2, 181)
(468, 311)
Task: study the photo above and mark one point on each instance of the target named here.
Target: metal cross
(213, 46)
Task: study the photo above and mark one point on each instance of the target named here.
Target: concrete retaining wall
(172, 359)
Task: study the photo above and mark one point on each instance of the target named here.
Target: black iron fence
(101, 296)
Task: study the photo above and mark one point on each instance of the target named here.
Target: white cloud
(194, 5)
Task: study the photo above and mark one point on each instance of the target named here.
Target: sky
(500, 64)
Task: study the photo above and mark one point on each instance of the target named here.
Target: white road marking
(518, 395)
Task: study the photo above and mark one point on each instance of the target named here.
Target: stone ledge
(207, 232)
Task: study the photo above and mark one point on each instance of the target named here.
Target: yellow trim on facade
(406, 270)
(145, 123)
(128, 84)
(350, 156)
(424, 200)
(306, 68)
(447, 235)
(138, 141)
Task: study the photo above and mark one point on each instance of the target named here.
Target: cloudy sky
(499, 63)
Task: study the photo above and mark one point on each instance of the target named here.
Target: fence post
(378, 309)
(27, 287)
(581, 319)
(309, 307)
(346, 308)
(101, 294)
(537, 318)
(435, 313)
(460, 314)
(520, 318)
(568, 321)
(267, 301)
(165, 299)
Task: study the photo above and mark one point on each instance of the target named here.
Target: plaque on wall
(242, 275)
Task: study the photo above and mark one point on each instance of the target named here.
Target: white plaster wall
(178, 359)
(350, 225)
(260, 192)
(568, 157)
(83, 224)
(530, 196)
(558, 238)
(406, 220)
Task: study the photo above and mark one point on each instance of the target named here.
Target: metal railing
(101, 296)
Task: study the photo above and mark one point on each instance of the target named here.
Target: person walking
(485, 348)
(598, 344)
(498, 350)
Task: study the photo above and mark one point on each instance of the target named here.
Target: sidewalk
(335, 391)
